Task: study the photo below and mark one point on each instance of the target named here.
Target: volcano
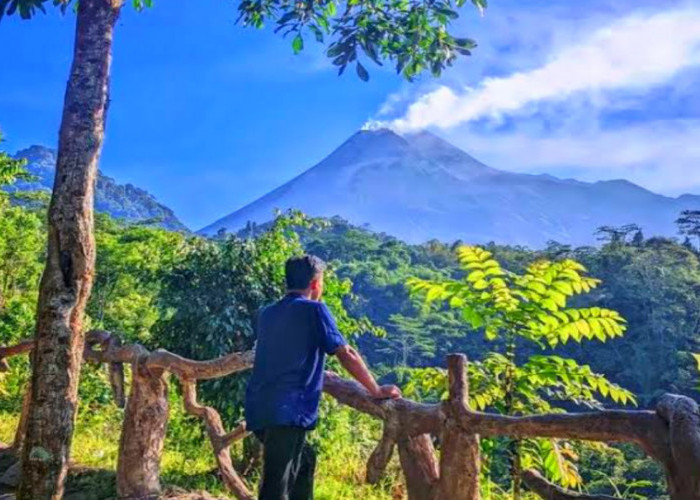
(419, 187)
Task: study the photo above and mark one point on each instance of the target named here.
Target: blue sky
(208, 115)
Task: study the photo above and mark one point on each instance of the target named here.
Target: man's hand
(353, 362)
(387, 392)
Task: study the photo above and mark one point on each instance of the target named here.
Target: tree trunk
(515, 468)
(143, 434)
(67, 278)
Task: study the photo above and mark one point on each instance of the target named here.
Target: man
(282, 399)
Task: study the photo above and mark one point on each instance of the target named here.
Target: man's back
(293, 336)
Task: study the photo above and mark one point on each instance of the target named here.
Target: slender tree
(689, 223)
(687, 243)
(617, 235)
(519, 313)
(638, 239)
(411, 35)
(67, 278)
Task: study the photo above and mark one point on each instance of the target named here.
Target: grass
(188, 461)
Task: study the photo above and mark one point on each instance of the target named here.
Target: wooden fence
(670, 434)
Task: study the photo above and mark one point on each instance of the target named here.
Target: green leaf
(481, 285)
(584, 328)
(493, 271)
(472, 317)
(480, 4)
(537, 287)
(491, 333)
(475, 276)
(297, 44)
(449, 13)
(697, 359)
(559, 298)
(456, 302)
(362, 72)
(574, 313)
(434, 293)
(549, 304)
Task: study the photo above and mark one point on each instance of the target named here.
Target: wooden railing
(670, 434)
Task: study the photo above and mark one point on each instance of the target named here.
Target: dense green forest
(654, 283)
(624, 319)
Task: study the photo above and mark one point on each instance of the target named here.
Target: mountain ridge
(419, 187)
(124, 201)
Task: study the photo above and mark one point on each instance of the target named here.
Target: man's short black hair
(299, 271)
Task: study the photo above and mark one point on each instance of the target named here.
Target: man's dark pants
(289, 463)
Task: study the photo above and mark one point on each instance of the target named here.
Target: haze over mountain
(123, 201)
(419, 187)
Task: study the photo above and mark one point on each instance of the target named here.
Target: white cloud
(663, 155)
(636, 52)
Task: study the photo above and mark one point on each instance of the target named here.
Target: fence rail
(670, 434)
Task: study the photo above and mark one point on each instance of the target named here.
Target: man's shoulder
(265, 308)
(308, 306)
(314, 305)
(283, 306)
(307, 302)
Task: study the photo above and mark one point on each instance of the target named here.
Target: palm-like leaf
(559, 327)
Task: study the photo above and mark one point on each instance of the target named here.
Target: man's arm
(351, 360)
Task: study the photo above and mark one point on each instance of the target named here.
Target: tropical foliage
(413, 36)
(11, 169)
(518, 313)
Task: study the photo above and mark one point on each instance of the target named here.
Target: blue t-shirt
(293, 337)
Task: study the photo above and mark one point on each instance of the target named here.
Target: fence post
(459, 456)
(143, 434)
(417, 457)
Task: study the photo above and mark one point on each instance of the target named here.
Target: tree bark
(145, 419)
(420, 468)
(143, 434)
(379, 460)
(21, 432)
(116, 375)
(67, 278)
(643, 428)
(459, 454)
(220, 440)
(683, 469)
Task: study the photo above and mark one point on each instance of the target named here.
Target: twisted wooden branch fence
(670, 434)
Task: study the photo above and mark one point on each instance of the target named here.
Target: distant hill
(123, 201)
(419, 187)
